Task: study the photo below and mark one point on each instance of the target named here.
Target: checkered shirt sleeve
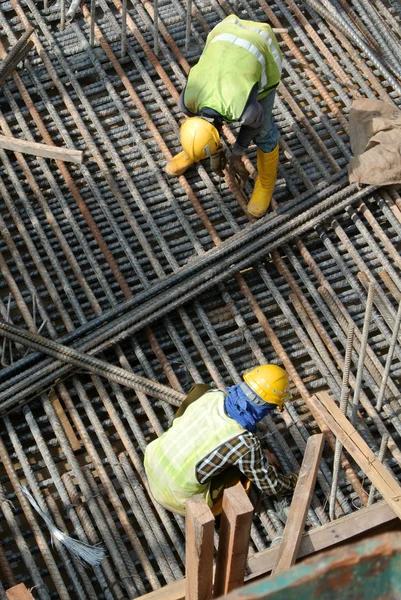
(246, 453)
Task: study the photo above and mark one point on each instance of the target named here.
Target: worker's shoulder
(221, 393)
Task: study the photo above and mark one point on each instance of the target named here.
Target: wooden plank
(359, 450)
(235, 530)
(19, 592)
(362, 522)
(44, 150)
(172, 591)
(75, 443)
(294, 528)
(199, 531)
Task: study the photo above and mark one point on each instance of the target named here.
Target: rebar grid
(78, 241)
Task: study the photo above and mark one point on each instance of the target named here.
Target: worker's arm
(256, 467)
(246, 453)
(252, 120)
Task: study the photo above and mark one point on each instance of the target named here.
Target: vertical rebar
(92, 23)
(156, 27)
(188, 25)
(362, 351)
(124, 29)
(389, 359)
(62, 15)
(343, 407)
(380, 458)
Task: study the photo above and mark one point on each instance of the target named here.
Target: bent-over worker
(212, 443)
(235, 81)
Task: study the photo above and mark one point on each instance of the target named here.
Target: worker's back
(170, 461)
(238, 54)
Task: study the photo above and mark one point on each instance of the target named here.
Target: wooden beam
(44, 150)
(19, 592)
(235, 530)
(359, 450)
(362, 522)
(199, 531)
(294, 528)
(66, 425)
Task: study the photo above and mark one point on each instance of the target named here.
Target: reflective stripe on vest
(252, 48)
(238, 54)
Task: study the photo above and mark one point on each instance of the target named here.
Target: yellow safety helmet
(199, 138)
(271, 383)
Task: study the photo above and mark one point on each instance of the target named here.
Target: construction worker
(235, 81)
(212, 443)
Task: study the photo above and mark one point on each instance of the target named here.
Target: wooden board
(19, 592)
(294, 528)
(362, 522)
(66, 425)
(359, 450)
(235, 530)
(199, 531)
(46, 151)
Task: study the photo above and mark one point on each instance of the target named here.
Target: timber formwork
(78, 241)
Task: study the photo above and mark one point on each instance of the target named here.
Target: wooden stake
(66, 425)
(199, 530)
(359, 450)
(19, 592)
(235, 530)
(288, 549)
(44, 150)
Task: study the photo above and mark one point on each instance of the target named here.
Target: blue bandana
(239, 407)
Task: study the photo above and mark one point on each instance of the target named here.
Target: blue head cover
(239, 406)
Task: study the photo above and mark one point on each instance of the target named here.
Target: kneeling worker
(212, 442)
(234, 80)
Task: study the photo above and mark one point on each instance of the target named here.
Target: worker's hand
(272, 459)
(218, 161)
(238, 170)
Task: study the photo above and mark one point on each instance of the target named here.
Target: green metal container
(368, 570)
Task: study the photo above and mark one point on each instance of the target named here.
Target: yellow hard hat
(269, 382)
(199, 138)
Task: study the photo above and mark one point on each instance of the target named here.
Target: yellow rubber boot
(178, 164)
(264, 186)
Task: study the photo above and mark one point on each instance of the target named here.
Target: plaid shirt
(245, 452)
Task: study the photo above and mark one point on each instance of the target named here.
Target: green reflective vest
(237, 55)
(170, 460)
